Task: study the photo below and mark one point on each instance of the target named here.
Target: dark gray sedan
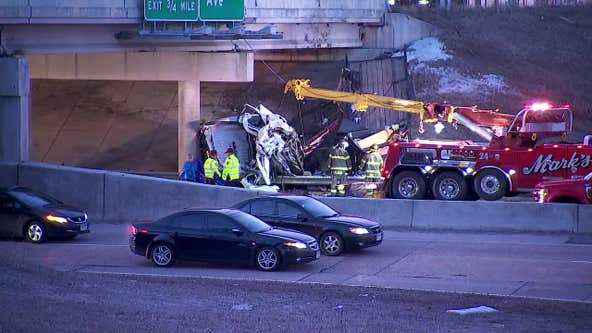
(334, 231)
(37, 217)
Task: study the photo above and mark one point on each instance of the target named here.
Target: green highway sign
(171, 10)
(222, 10)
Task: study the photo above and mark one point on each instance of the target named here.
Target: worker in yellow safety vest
(231, 171)
(212, 168)
(340, 166)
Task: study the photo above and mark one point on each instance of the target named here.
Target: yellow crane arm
(302, 89)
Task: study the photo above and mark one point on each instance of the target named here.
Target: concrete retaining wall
(120, 197)
(399, 31)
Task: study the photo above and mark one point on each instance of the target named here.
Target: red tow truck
(517, 153)
(514, 159)
(565, 191)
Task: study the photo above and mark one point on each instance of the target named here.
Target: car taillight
(143, 231)
(133, 230)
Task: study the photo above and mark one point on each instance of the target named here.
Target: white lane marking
(581, 262)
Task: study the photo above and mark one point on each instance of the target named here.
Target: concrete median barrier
(121, 197)
(390, 213)
(83, 188)
(494, 216)
(142, 198)
(584, 219)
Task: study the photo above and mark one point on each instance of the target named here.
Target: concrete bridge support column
(15, 85)
(189, 114)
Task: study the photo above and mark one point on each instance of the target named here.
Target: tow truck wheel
(408, 185)
(491, 184)
(449, 185)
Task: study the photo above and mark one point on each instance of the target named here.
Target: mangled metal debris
(270, 145)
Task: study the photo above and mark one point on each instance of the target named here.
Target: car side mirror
(302, 217)
(237, 231)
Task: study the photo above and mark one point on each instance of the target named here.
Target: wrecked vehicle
(272, 152)
(263, 141)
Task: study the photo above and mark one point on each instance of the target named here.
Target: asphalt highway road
(95, 284)
(538, 266)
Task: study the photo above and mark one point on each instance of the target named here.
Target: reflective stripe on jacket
(211, 168)
(231, 168)
(373, 165)
(340, 162)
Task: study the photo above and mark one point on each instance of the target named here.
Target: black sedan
(37, 217)
(223, 235)
(334, 231)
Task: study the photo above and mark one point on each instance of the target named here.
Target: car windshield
(588, 176)
(318, 209)
(33, 199)
(250, 222)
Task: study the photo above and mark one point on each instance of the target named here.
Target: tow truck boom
(488, 124)
(428, 112)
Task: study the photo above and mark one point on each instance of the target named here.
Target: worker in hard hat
(231, 170)
(212, 168)
(372, 166)
(340, 166)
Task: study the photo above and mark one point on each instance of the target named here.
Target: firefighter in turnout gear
(212, 168)
(340, 167)
(373, 164)
(231, 171)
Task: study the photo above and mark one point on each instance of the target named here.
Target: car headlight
(56, 219)
(297, 245)
(358, 231)
(542, 195)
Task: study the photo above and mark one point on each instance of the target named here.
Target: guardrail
(121, 197)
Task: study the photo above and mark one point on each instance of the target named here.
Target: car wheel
(408, 185)
(449, 185)
(162, 254)
(332, 244)
(35, 232)
(491, 184)
(268, 259)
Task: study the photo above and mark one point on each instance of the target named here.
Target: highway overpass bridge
(112, 40)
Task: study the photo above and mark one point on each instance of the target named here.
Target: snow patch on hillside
(429, 56)
(427, 49)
